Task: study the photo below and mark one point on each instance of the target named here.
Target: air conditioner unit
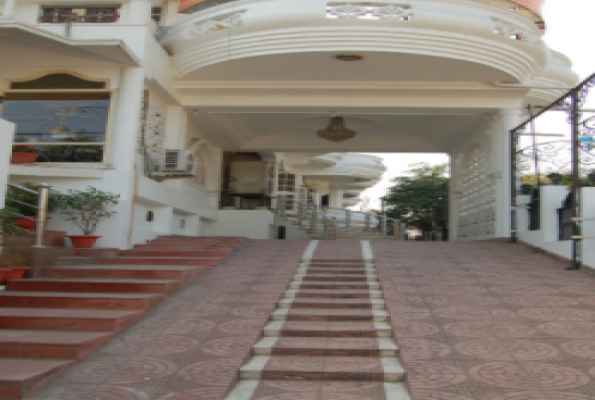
(177, 160)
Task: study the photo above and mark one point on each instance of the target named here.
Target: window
(156, 14)
(286, 182)
(62, 125)
(88, 14)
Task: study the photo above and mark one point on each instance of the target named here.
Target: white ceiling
(413, 130)
(323, 66)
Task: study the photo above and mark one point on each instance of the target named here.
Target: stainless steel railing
(333, 222)
(41, 210)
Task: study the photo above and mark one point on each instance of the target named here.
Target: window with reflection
(61, 126)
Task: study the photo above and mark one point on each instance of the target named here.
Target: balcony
(527, 8)
(468, 41)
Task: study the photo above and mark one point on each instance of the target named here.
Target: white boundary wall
(546, 238)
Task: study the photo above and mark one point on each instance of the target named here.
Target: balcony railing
(91, 15)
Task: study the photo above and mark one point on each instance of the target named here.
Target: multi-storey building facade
(162, 101)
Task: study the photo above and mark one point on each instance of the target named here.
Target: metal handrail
(41, 207)
(382, 224)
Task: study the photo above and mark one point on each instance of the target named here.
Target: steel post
(383, 225)
(334, 229)
(577, 241)
(314, 221)
(514, 140)
(42, 208)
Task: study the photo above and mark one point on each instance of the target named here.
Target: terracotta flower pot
(4, 272)
(24, 158)
(16, 273)
(27, 223)
(82, 242)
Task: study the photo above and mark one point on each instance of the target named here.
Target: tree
(420, 199)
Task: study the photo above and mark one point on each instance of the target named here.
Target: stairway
(48, 323)
(329, 337)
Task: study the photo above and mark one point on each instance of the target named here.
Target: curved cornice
(507, 58)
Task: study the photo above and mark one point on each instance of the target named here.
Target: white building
(238, 89)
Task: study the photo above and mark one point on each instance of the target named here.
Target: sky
(570, 30)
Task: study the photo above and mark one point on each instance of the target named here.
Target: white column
(506, 120)
(8, 9)
(336, 198)
(117, 231)
(453, 200)
(6, 137)
(139, 12)
(175, 128)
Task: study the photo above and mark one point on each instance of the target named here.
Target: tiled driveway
(489, 321)
(474, 321)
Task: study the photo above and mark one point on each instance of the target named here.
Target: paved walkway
(474, 321)
(489, 321)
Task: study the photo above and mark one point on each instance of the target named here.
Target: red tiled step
(336, 277)
(314, 346)
(49, 344)
(104, 301)
(181, 272)
(67, 319)
(333, 293)
(335, 285)
(322, 368)
(170, 242)
(330, 314)
(20, 376)
(172, 253)
(203, 261)
(338, 265)
(238, 239)
(334, 271)
(95, 285)
(332, 303)
(328, 329)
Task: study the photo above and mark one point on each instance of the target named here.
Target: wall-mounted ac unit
(177, 160)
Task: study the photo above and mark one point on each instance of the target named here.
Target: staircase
(48, 323)
(330, 333)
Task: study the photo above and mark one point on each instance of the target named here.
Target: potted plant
(24, 154)
(26, 215)
(86, 208)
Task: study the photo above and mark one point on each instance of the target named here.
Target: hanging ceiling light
(336, 130)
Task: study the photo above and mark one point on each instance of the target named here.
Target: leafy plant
(420, 198)
(22, 148)
(8, 226)
(20, 197)
(86, 208)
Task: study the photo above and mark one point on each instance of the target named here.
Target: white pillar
(175, 128)
(139, 12)
(8, 9)
(336, 198)
(453, 199)
(506, 120)
(123, 143)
